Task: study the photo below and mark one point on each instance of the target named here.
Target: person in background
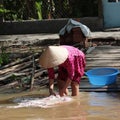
(71, 64)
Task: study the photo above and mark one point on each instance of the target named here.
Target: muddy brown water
(87, 106)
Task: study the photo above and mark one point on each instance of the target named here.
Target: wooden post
(33, 71)
(49, 9)
(100, 9)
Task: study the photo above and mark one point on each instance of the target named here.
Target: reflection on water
(104, 99)
(88, 106)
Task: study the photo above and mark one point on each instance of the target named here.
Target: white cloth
(40, 102)
(73, 24)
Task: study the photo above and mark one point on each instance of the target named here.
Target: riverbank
(36, 42)
(16, 76)
(42, 39)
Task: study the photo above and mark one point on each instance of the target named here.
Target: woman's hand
(51, 87)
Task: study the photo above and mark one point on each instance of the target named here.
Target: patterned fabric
(72, 68)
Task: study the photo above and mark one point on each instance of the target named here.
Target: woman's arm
(51, 87)
(51, 76)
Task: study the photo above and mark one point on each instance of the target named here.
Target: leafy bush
(4, 57)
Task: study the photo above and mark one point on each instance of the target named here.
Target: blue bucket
(102, 76)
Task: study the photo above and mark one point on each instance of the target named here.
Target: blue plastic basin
(102, 76)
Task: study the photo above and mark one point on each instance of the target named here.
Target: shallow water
(87, 106)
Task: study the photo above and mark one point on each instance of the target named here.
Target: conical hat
(53, 56)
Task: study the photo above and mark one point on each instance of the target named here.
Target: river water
(87, 106)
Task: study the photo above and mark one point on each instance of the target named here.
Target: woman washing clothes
(71, 64)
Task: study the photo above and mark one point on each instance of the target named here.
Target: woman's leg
(61, 84)
(75, 88)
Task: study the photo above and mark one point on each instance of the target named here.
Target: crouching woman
(71, 64)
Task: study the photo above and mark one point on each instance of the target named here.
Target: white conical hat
(53, 56)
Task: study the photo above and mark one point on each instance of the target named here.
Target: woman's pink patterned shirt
(72, 68)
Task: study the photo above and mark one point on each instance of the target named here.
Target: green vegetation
(38, 6)
(17, 10)
(4, 57)
(3, 10)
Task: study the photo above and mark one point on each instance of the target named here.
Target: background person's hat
(53, 56)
